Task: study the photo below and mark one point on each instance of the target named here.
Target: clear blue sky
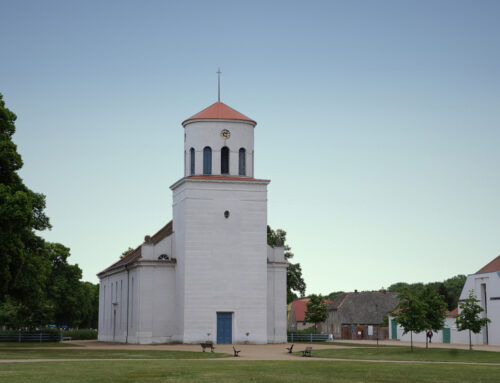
(378, 124)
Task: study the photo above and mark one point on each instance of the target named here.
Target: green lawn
(235, 370)
(104, 354)
(404, 353)
(37, 344)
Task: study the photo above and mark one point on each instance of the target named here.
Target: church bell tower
(220, 226)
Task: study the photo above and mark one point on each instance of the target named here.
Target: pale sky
(378, 124)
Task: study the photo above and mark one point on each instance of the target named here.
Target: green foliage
(410, 313)
(37, 285)
(317, 310)
(294, 280)
(449, 289)
(334, 295)
(420, 311)
(126, 252)
(469, 316)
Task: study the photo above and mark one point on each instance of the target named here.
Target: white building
(208, 274)
(486, 287)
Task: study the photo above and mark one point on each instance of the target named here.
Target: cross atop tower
(218, 74)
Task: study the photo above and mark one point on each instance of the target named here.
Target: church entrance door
(224, 328)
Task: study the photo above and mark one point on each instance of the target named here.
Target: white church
(207, 275)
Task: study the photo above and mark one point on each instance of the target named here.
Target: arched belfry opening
(207, 160)
(224, 160)
(192, 159)
(242, 167)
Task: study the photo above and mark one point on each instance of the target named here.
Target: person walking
(429, 335)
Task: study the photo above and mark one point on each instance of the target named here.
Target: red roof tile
(452, 313)
(491, 267)
(300, 308)
(219, 111)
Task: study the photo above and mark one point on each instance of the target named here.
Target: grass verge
(9, 345)
(405, 354)
(243, 371)
(105, 354)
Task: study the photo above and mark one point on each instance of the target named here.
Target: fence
(29, 337)
(307, 337)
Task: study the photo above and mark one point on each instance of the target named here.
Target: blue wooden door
(394, 329)
(224, 328)
(446, 335)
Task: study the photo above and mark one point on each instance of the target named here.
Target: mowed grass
(405, 354)
(104, 354)
(237, 370)
(36, 344)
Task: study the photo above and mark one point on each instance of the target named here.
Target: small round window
(226, 214)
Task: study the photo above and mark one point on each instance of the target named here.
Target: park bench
(236, 352)
(307, 351)
(290, 349)
(66, 338)
(209, 345)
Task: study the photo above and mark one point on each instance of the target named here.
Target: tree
(294, 280)
(37, 284)
(454, 287)
(469, 317)
(317, 310)
(21, 210)
(434, 310)
(126, 252)
(410, 314)
(334, 295)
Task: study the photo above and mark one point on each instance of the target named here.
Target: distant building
(297, 316)
(358, 315)
(485, 284)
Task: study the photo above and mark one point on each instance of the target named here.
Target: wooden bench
(307, 351)
(209, 345)
(236, 352)
(290, 349)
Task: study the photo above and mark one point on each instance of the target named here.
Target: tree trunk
(426, 340)
(411, 341)
(470, 341)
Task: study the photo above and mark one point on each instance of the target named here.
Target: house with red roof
(297, 315)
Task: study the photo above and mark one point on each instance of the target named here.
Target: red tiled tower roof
(219, 111)
(491, 267)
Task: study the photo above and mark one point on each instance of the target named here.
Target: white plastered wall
(200, 134)
(224, 263)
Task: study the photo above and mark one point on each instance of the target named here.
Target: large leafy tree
(21, 209)
(410, 313)
(469, 316)
(434, 310)
(37, 285)
(294, 281)
(317, 310)
(450, 289)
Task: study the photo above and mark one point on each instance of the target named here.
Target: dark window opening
(224, 160)
(242, 165)
(192, 161)
(207, 160)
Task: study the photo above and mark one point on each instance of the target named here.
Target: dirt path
(248, 352)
